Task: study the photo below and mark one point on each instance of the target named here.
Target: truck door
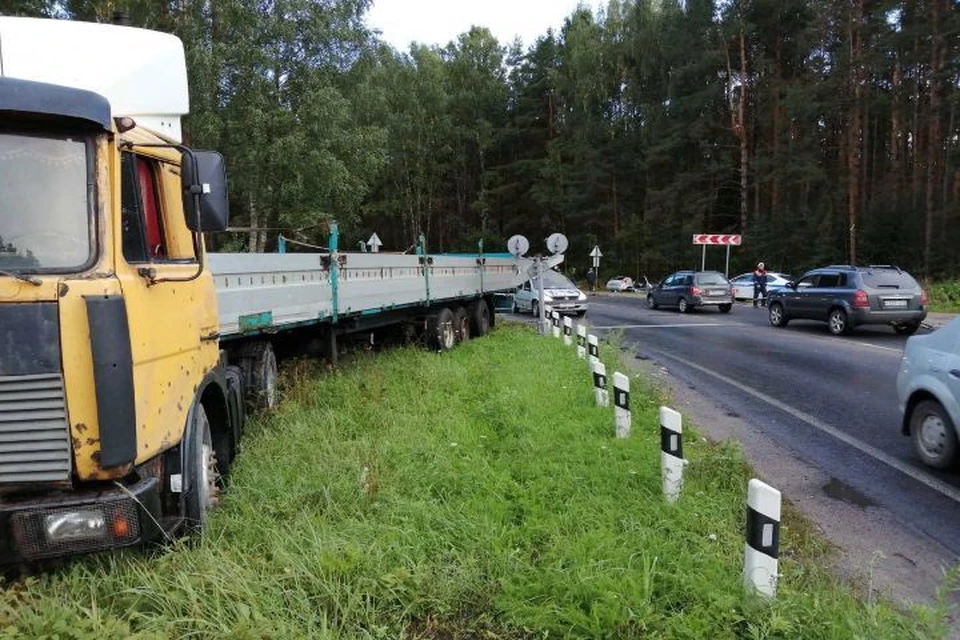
(172, 314)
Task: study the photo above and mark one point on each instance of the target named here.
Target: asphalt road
(830, 400)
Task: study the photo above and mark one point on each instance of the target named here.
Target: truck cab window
(143, 237)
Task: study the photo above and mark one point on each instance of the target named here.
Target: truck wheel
(461, 323)
(480, 318)
(204, 480)
(259, 365)
(441, 332)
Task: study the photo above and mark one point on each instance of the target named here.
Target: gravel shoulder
(878, 554)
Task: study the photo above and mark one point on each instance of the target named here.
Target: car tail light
(697, 291)
(860, 299)
(924, 300)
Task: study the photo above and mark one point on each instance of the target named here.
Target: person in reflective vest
(760, 285)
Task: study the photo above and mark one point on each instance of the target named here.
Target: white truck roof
(142, 73)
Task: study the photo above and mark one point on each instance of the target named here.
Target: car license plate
(895, 304)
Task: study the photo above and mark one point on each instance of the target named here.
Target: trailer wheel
(441, 330)
(480, 318)
(259, 365)
(203, 475)
(461, 322)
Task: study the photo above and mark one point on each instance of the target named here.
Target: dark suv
(688, 290)
(845, 296)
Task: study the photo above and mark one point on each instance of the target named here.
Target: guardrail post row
(762, 550)
(567, 330)
(581, 341)
(556, 323)
(621, 402)
(593, 349)
(671, 453)
(600, 384)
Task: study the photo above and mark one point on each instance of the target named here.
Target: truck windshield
(44, 202)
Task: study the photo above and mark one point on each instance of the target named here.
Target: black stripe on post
(595, 350)
(756, 522)
(621, 398)
(567, 330)
(599, 380)
(669, 444)
(581, 340)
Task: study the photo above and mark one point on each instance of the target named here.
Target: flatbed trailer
(259, 293)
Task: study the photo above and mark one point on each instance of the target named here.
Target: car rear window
(888, 279)
(710, 278)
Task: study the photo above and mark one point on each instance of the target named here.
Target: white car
(928, 390)
(558, 293)
(743, 284)
(620, 284)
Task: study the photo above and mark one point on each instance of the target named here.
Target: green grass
(474, 494)
(945, 296)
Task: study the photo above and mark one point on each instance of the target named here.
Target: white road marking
(875, 346)
(936, 484)
(666, 326)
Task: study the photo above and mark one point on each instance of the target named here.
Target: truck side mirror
(205, 202)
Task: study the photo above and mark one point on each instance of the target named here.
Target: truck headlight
(89, 524)
(581, 296)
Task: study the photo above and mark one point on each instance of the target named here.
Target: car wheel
(907, 329)
(683, 306)
(651, 302)
(777, 316)
(838, 322)
(725, 308)
(933, 434)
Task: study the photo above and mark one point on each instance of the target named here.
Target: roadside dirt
(878, 554)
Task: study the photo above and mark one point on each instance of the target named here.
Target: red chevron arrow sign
(716, 238)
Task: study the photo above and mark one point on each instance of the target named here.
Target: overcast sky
(440, 21)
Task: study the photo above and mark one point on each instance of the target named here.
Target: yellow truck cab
(116, 409)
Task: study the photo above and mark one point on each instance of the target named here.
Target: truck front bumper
(40, 528)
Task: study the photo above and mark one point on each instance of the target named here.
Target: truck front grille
(34, 435)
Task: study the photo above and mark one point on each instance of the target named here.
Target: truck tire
(461, 322)
(259, 365)
(480, 321)
(200, 472)
(441, 330)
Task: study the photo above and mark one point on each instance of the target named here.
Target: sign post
(595, 255)
(727, 240)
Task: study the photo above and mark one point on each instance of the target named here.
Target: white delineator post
(671, 453)
(600, 384)
(556, 323)
(567, 330)
(581, 341)
(593, 350)
(621, 402)
(762, 550)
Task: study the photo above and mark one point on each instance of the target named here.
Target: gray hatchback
(845, 296)
(688, 290)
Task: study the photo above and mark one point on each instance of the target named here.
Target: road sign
(518, 245)
(716, 238)
(557, 243)
(596, 252)
(374, 243)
